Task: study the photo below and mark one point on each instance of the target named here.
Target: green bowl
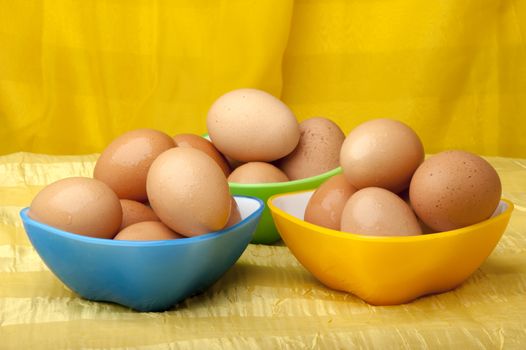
(266, 232)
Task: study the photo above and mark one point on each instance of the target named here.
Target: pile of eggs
(148, 185)
(388, 189)
(264, 143)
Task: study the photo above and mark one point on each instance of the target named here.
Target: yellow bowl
(386, 270)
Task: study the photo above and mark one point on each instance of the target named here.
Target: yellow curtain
(75, 74)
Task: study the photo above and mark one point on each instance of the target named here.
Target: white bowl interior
(247, 206)
(295, 204)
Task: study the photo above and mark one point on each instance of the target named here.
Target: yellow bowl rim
(382, 239)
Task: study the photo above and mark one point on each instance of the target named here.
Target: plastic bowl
(266, 232)
(143, 275)
(386, 270)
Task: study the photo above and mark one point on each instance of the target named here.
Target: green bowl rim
(286, 184)
(281, 184)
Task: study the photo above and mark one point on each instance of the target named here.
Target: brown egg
(134, 212)
(257, 172)
(326, 204)
(318, 150)
(454, 189)
(124, 164)
(381, 153)
(235, 214)
(79, 205)
(375, 211)
(252, 125)
(188, 191)
(147, 231)
(202, 144)
(404, 195)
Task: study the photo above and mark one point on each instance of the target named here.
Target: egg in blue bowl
(143, 275)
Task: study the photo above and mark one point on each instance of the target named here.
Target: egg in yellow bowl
(386, 270)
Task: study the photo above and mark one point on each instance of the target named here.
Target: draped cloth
(75, 74)
(267, 300)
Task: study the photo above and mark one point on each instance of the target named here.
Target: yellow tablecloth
(267, 300)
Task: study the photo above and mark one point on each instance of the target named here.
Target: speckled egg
(453, 189)
(318, 150)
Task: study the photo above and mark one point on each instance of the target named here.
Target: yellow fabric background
(75, 74)
(267, 300)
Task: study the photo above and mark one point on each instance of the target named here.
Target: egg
(381, 153)
(202, 144)
(453, 189)
(257, 172)
(375, 211)
(325, 207)
(404, 195)
(318, 150)
(147, 231)
(124, 164)
(188, 191)
(235, 214)
(252, 125)
(134, 212)
(79, 205)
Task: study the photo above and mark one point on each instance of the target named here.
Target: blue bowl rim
(124, 243)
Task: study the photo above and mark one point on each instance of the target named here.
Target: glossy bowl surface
(143, 275)
(386, 270)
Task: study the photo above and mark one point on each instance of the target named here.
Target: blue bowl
(143, 275)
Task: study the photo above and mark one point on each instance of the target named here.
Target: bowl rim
(127, 243)
(383, 239)
(285, 184)
(278, 185)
